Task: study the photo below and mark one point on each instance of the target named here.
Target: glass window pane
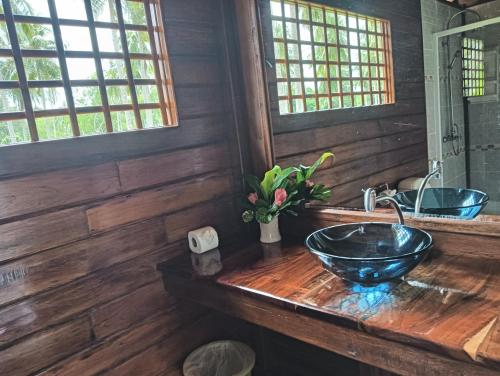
(35, 36)
(152, 118)
(14, 132)
(143, 69)
(118, 95)
(76, 38)
(147, 93)
(114, 68)
(8, 71)
(91, 124)
(138, 42)
(85, 96)
(74, 9)
(53, 128)
(277, 29)
(104, 11)
(4, 36)
(30, 8)
(48, 98)
(276, 8)
(42, 68)
(133, 12)
(11, 100)
(81, 69)
(332, 52)
(123, 121)
(108, 40)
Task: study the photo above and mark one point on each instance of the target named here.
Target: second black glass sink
(456, 202)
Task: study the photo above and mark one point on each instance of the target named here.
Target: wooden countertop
(443, 316)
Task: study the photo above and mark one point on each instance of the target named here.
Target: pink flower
(279, 196)
(252, 197)
(309, 183)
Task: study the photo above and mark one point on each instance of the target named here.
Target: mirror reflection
(424, 128)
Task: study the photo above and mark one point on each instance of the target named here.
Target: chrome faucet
(371, 200)
(435, 173)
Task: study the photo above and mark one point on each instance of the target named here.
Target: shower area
(461, 59)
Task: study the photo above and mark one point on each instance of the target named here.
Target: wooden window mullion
(98, 64)
(299, 44)
(21, 72)
(313, 50)
(128, 65)
(158, 73)
(339, 64)
(327, 61)
(63, 66)
(287, 63)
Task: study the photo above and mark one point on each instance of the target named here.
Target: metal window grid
(329, 58)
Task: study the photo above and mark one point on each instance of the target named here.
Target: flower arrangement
(282, 190)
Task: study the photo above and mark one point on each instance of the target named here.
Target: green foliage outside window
(36, 36)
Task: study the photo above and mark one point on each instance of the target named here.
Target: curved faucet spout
(371, 200)
(436, 170)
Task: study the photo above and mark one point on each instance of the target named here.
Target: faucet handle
(436, 166)
(370, 199)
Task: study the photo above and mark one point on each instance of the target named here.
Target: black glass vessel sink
(369, 252)
(456, 202)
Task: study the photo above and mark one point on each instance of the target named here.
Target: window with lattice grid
(82, 67)
(473, 67)
(328, 58)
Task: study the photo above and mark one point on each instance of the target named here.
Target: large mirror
(396, 92)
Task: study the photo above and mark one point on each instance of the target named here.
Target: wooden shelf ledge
(443, 318)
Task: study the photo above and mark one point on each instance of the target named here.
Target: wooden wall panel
(55, 189)
(46, 347)
(84, 222)
(164, 168)
(151, 203)
(58, 266)
(361, 137)
(31, 235)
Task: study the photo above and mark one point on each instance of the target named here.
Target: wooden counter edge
(388, 355)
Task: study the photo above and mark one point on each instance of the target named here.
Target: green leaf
(268, 181)
(282, 178)
(248, 216)
(253, 182)
(319, 162)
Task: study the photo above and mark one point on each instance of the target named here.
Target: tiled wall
(484, 117)
(434, 18)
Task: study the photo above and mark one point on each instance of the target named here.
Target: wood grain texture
(33, 314)
(152, 203)
(164, 168)
(218, 214)
(53, 189)
(46, 348)
(58, 266)
(284, 288)
(84, 222)
(252, 64)
(135, 307)
(178, 346)
(115, 350)
(39, 233)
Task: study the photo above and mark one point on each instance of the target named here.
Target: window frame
(158, 55)
(387, 65)
(473, 69)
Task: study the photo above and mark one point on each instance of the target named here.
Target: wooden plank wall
(84, 222)
(373, 145)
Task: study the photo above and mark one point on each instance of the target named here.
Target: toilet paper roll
(203, 239)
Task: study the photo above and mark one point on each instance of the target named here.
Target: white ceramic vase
(270, 232)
